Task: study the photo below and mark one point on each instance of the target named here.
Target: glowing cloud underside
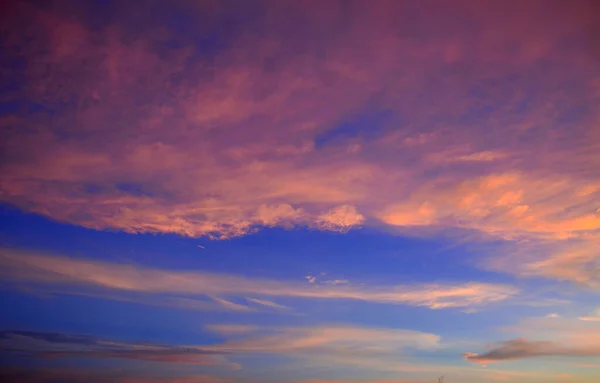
(498, 145)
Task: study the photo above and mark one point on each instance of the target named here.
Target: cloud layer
(329, 115)
(37, 269)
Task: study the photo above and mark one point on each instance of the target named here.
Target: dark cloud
(40, 375)
(523, 348)
(59, 345)
(49, 337)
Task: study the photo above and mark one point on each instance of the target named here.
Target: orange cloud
(508, 204)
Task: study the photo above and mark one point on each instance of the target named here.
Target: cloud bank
(370, 118)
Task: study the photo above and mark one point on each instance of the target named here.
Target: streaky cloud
(59, 345)
(523, 348)
(564, 337)
(32, 268)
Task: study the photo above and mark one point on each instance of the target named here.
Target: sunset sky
(300, 191)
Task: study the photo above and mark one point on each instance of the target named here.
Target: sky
(300, 191)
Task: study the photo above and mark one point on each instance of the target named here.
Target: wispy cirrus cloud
(575, 260)
(331, 346)
(267, 303)
(61, 271)
(363, 347)
(231, 305)
(354, 348)
(327, 338)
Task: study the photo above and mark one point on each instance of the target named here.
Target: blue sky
(300, 192)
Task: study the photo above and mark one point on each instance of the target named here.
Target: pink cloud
(231, 305)
(382, 349)
(267, 303)
(340, 218)
(573, 260)
(491, 129)
(338, 338)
